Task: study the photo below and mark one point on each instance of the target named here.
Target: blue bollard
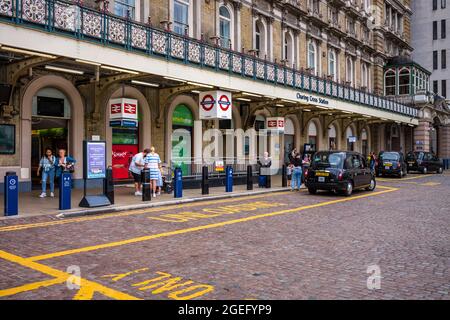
(178, 183)
(229, 179)
(65, 191)
(11, 192)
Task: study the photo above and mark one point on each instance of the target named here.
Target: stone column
(444, 142)
(422, 136)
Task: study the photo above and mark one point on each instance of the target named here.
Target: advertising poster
(95, 159)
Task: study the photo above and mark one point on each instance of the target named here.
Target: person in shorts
(153, 162)
(136, 165)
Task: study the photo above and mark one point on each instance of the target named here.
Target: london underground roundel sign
(215, 104)
(207, 102)
(224, 102)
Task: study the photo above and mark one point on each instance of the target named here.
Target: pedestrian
(136, 165)
(264, 170)
(373, 161)
(153, 162)
(292, 154)
(47, 165)
(64, 163)
(296, 163)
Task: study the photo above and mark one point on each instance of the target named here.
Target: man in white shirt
(136, 165)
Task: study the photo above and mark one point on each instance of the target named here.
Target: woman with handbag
(64, 163)
(47, 165)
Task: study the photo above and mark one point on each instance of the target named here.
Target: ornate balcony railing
(74, 20)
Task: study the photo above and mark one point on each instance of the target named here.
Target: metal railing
(74, 20)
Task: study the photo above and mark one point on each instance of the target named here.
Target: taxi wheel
(372, 185)
(400, 175)
(312, 190)
(349, 189)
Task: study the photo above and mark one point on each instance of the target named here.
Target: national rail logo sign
(123, 109)
(215, 105)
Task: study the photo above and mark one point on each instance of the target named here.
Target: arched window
(389, 82)
(260, 38)
(350, 71)
(364, 76)
(312, 57)
(225, 27)
(288, 49)
(404, 81)
(332, 64)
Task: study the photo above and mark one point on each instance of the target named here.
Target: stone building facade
(269, 54)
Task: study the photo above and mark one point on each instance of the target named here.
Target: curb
(87, 212)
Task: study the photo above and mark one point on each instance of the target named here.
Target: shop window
(7, 139)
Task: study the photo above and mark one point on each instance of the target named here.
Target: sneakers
(138, 193)
(42, 195)
(154, 195)
(158, 193)
(52, 194)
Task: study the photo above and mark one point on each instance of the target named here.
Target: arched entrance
(434, 136)
(364, 142)
(51, 102)
(122, 142)
(183, 133)
(350, 138)
(312, 136)
(332, 137)
(289, 138)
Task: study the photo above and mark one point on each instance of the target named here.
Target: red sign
(116, 108)
(272, 123)
(129, 108)
(121, 158)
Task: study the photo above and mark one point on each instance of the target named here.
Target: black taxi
(339, 171)
(391, 163)
(424, 162)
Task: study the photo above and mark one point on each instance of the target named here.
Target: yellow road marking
(59, 277)
(127, 213)
(402, 179)
(202, 227)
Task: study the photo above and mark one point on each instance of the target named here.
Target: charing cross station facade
(339, 74)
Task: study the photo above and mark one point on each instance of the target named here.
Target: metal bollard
(269, 180)
(11, 194)
(146, 186)
(284, 176)
(108, 185)
(65, 191)
(229, 179)
(205, 182)
(249, 178)
(178, 183)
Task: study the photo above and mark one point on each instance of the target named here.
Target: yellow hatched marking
(203, 227)
(87, 287)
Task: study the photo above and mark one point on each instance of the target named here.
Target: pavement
(391, 243)
(31, 205)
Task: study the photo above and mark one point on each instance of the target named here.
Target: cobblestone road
(288, 245)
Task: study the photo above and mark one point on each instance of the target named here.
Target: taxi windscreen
(328, 160)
